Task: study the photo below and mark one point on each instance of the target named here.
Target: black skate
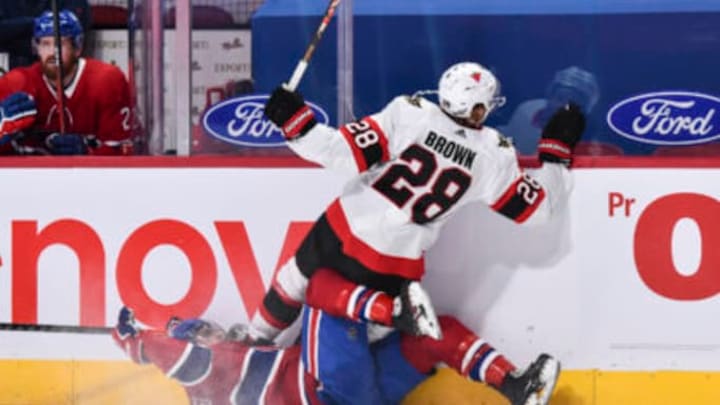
(535, 385)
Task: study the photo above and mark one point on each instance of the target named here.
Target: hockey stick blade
(30, 327)
(303, 63)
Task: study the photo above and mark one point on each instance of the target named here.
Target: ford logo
(241, 121)
(667, 118)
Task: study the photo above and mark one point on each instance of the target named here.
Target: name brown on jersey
(459, 154)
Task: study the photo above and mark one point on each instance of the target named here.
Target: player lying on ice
(346, 355)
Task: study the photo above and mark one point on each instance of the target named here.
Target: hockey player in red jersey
(416, 163)
(97, 114)
(212, 369)
(341, 358)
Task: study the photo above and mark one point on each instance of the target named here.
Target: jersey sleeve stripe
(383, 141)
(531, 208)
(311, 349)
(272, 380)
(365, 254)
(284, 296)
(276, 312)
(514, 205)
(261, 367)
(356, 151)
(193, 366)
(371, 153)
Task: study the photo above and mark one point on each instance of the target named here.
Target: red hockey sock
(483, 363)
(348, 300)
(460, 349)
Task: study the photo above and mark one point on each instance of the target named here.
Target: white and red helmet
(464, 85)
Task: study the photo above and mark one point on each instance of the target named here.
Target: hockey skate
(535, 385)
(413, 312)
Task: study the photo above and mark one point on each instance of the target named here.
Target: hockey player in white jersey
(416, 164)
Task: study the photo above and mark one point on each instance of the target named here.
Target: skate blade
(428, 321)
(549, 375)
(532, 399)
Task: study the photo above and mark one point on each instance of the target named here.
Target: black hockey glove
(287, 110)
(561, 134)
(126, 326)
(68, 144)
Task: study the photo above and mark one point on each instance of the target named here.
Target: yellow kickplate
(583, 387)
(36, 382)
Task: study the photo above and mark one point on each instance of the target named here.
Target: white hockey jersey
(416, 167)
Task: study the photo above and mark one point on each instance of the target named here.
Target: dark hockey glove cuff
(287, 110)
(67, 144)
(126, 326)
(561, 134)
(555, 151)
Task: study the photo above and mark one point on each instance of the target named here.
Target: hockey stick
(60, 96)
(29, 327)
(303, 63)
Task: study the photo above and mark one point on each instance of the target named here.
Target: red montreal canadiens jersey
(417, 167)
(227, 373)
(97, 101)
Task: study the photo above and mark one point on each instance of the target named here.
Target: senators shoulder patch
(413, 100)
(504, 141)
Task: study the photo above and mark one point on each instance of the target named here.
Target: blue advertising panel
(645, 72)
(240, 121)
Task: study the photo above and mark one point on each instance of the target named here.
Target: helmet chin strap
(475, 125)
(481, 120)
(465, 121)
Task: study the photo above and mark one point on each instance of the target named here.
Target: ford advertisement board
(667, 118)
(241, 121)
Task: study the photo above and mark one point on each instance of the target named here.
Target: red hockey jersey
(228, 372)
(97, 102)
